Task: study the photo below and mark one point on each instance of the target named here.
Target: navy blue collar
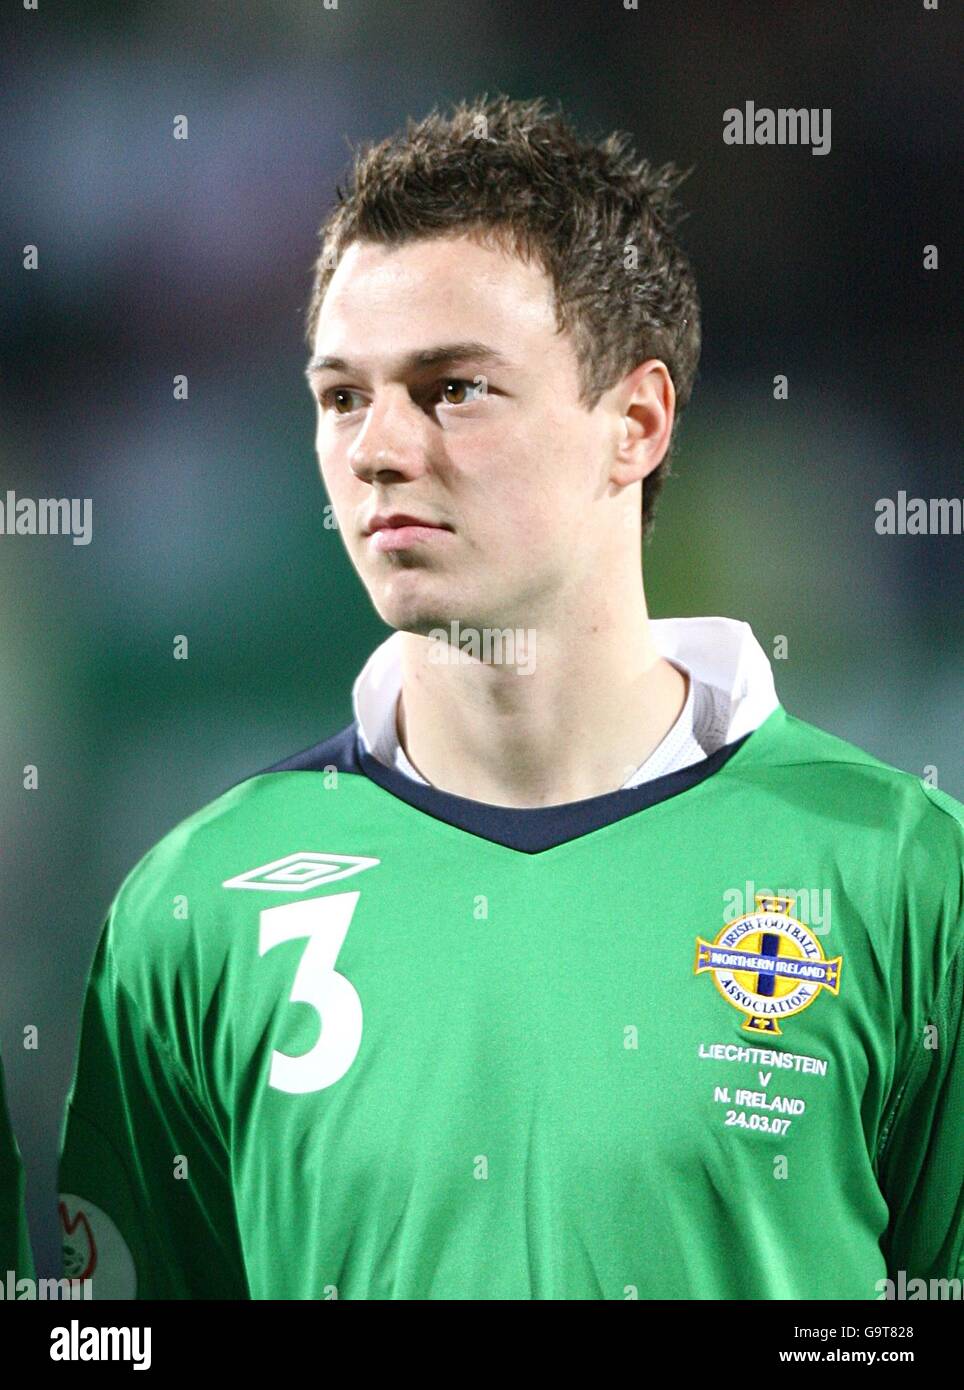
(530, 829)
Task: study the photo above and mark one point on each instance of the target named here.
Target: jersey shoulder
(901, 799)
(894, 824)
(244, 830)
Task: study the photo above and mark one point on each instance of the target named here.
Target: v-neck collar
(530, 830)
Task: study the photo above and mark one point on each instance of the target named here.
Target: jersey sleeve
(15, 1251)
(921, 1153)
(146, 1203)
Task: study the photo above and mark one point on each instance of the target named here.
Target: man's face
(506, 469)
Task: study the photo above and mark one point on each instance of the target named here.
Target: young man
(16, 1258)
(505, 991)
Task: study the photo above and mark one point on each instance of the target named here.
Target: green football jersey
(349, 1036)
(15, 1253)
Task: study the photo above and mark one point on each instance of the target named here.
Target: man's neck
(597, 702)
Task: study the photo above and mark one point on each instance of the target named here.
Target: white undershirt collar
(731, 692)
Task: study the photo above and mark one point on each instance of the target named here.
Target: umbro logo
(297, 872)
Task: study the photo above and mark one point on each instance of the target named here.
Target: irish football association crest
(767, 964)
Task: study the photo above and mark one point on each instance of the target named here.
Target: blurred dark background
(159, 257)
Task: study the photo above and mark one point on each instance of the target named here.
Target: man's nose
(392, 439)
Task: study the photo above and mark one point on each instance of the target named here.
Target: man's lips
(399, 531)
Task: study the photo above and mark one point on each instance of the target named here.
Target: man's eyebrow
(421, 360)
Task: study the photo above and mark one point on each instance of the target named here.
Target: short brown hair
(519, 175)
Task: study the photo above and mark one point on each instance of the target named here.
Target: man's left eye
(455, 391)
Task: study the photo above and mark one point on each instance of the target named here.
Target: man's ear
(646, 400)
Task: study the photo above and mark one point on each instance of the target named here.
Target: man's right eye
(338, 399)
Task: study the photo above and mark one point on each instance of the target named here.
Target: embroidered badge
(767, 964)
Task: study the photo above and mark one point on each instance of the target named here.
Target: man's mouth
(399, 530)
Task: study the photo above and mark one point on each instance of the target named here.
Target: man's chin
(413, 612)
(420, 625)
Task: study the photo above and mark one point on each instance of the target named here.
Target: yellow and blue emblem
(767, 964)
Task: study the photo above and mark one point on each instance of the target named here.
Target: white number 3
(324, 922)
